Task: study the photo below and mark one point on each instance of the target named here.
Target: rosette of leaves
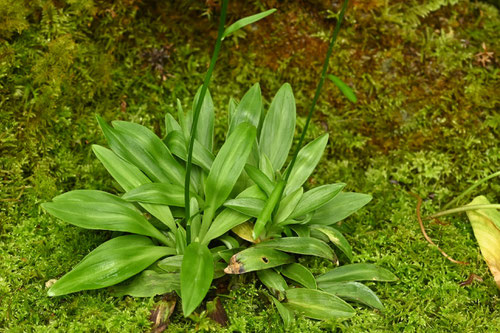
(285, 220)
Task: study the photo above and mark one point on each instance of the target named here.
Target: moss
(426, 117)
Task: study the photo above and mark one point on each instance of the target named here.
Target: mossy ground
(427, 117)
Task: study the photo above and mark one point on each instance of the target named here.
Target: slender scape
(319, 88)
(196, 115)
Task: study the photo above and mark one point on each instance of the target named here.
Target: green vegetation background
(427, 117)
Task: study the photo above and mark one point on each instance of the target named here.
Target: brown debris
(161, 314)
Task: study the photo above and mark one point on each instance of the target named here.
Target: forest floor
(427, 120)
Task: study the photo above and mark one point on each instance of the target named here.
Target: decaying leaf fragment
(486, 226)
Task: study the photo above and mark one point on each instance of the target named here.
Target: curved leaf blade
(354, 291)
(340, 207)
(224, 222)
(246, 21)
(254, 259)
(344, 88)
(307, 160)
(300, 245)
(110, 263)
(278, 128)
(336, 238)
(355, 272)
(316, 198)
(148, 284)
(300, 274)
(317, 304)
(197, 272)
(248, 110)
(157, 193)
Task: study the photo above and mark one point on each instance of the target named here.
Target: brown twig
(471, 279)
(427, 238)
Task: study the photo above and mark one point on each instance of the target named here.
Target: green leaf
(248, 206)
(336, 238)
(171, 264)
(158, 193)
(202, 157)
(205, 132)
(316, 198)
(288, 204)
(317, 304)
(141, 147)
(268, 209)
(278, 127)
(260, 179)
(272, 280)
(226, 169)
(248, 110)
(231, 109)
(266, 167)
(254, 259)
(344, 88)
(286, 314)
(147, 284)
(130, 177)
(224, 222)
(171, 124)
(110, 263)
(246, 21)
(307, 159)
(340, 207)
(299, 245)
(102, 211)
(355, 272)
(354, 291)
(299, 274)
(197, 272)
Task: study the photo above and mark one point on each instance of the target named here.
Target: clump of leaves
(183, 205)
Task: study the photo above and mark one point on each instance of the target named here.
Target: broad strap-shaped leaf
(148, 284)
(344, 88)
(355, 272)
(317, 304)
(486, 226)
(244, 231)
(102, 211)
(254, 259)
(288, 205)
(231, 109)
(171, 264)
(202, 157)
(130, 177)
(307, 160)
(246, 21)
(266, 166)
(316, 198)
(336, 238)
(226, 169)
(110, 263)
(183, 121)
(272, 280)
(340, 207)
(265, 214)
(260, 179)
(285, 314)
(248, 206)
(204, 132)
(197, 273)
(278, 128)
(300, 274)
(300, 245)
(158, 193)
(141, 147)
(224, 222)
(248, 110)
(354, 291)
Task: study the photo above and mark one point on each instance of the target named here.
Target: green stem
(463, 209)
(319, 88)
(196, 115)
(471, 188)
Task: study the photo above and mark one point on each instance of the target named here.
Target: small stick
(427, 238)
(471, 279)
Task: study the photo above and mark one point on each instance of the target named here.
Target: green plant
(181, 201)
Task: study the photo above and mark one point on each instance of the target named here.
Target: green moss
(426, 117)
